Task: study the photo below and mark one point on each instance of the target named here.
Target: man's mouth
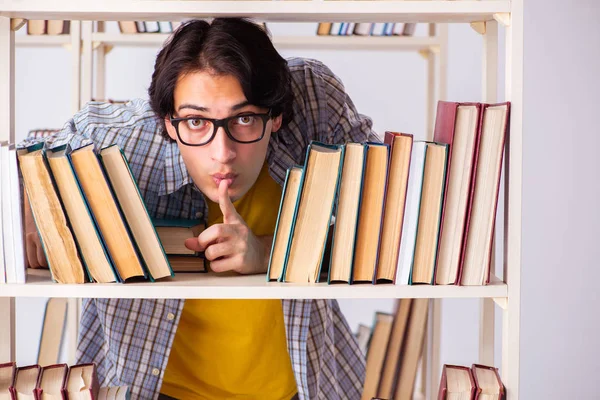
(230, 178)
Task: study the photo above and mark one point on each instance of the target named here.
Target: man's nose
(222, 147)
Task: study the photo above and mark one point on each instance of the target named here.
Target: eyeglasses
(246, 128)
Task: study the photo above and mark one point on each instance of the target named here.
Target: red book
(457, 125)
(487, 379)
(476, 254)
(457, 374)
(52, 381)
(26, 379)
(82, 378)
(8, 371)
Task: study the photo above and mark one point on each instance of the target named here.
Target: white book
(350, 30)
(151, 26)
(363, 29)
(7, 221)
(398, 28)
(388, 28)
(378, 29)
(411, 212)
(165, 26)
(335, 28)
(17, 216)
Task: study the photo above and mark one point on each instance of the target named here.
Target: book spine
(142, 262)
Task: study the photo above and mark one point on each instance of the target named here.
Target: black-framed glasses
(245, 128)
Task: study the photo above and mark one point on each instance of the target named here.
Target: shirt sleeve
(100, 123)
(68, 134)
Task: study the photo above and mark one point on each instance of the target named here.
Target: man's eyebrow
(240, 105)
(193, 107)
(235, 107)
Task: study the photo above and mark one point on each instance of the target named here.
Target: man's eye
(195, 123)
(245, 120)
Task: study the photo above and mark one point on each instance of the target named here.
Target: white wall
(561, 192)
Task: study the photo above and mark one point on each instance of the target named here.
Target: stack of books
(366, 29)
(92, 219)
(58, 381)
(393, 348)
(480, 382)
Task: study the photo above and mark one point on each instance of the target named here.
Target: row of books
(129, 27)
(366, 29)
(393, 347)
(92, 220)
(57, 381)
(406, 212)
(47, 27)
(479, 382)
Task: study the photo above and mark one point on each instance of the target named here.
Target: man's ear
(276, 123)
(170, 129)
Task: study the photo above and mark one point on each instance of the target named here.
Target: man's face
(204, 95)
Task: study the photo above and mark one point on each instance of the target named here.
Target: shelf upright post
(7, 133)
(513, 201)
(100, 65)
(490, 95)
(87, 63)
(76, 65)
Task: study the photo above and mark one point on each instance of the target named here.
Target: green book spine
(67, 149)
(364, 164)
(287, 174)
(410, 281)
(439, 222)
(147, 215)
(293, 227)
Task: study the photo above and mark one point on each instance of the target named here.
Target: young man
(227, 116)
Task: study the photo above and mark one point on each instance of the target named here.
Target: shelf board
(284, 10)
(42, 40)
(290, 42)
(208, 285)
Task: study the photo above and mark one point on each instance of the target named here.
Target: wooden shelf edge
(202, 285)
(317, 11)
(290, 42)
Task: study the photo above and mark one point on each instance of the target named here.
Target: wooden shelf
(290, 42)
(284, 10)
(42, 40)
(201, 285)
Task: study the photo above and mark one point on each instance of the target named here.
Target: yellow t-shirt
(234, 349)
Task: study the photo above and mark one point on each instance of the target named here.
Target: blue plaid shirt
(130, 339)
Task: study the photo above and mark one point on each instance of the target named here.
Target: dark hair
(227, 46)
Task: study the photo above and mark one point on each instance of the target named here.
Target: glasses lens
(195, 130)
(246, 128)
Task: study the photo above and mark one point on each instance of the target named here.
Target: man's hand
(231, 246)
(33, 245)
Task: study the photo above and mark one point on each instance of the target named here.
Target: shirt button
(170, 316)
(155, 371)
(198, 214)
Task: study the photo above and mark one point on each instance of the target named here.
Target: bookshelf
(210, 286)
(407, 43)
(483, 15)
